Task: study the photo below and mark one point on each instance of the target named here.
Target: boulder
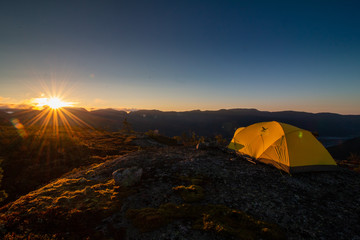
(127, 177)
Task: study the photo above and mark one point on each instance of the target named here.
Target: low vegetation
(36, 158)
(3, 194)
(67, 208)
(213, 218)
(161, 138)
(216, 218)
(192, 193)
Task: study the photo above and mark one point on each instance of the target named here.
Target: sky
(183, 54)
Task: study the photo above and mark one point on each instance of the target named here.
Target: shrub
(354, 157)
(220, 140)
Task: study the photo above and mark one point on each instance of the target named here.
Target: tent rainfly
(284, 146)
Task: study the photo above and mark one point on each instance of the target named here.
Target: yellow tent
(286, 147)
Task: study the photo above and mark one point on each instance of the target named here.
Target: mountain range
(202, 123)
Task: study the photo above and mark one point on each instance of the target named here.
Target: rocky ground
(322, 205)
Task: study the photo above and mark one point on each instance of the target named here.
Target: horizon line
(128, 110)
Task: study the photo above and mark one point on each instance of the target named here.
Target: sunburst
(52, 102)
(56, 103)
(54, 112)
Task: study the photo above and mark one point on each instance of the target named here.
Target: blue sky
(183, 55)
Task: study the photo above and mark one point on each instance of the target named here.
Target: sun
(56, 103)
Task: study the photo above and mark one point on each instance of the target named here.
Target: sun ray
(66, 124)
(75, 118)
(56, 120)
(45, 123)
(38, 117)
(55, 124)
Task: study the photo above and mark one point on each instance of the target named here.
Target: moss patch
(215, 218)
(67, 208)
(192, 193)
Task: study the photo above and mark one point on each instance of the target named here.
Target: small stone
(127, 177)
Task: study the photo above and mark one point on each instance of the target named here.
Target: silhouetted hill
(109, 113)
(4, 118)
(208, 123)
(226, 121)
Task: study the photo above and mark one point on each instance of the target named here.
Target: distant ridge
(205, 123)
